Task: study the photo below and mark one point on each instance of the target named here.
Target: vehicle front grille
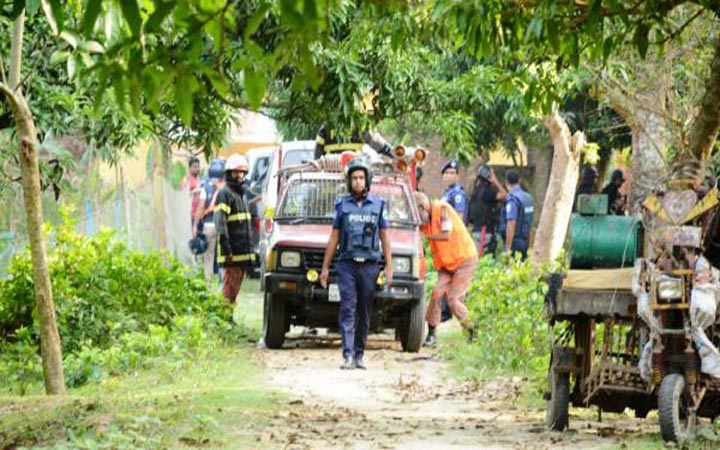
(314, 260)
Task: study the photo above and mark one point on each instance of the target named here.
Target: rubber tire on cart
(556, 417)
(273, 321)
(676, 424)
(412, 327)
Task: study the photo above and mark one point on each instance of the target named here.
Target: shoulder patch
(508, 208)
(459, 198)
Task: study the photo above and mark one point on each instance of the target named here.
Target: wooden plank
(603, 303)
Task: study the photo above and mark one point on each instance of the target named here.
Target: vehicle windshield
(314, 201)
(297, 156)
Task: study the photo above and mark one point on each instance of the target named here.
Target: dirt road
(405, 401)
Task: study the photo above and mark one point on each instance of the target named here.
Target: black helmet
(483, 172)
(450, 164)
(358, 164)
(199, 244)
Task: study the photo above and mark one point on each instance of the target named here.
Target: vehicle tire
(556, 417)
(411, 331)
(273, 321)
(676, 423)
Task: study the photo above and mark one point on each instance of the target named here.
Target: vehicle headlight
(401, 264)
(290, 259)
(669, 288)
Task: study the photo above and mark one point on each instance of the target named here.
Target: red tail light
(268, 225)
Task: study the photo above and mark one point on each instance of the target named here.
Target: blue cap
(216, 169)
(449, 164)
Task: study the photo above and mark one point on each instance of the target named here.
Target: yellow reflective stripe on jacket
(320, 140)
(238, 217)
(237, 258)
(357, 146)
(223, 207)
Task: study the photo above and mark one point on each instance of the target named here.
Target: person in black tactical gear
(516, 218)
(232, 221)
(616, 200)
(328, 141)
(587, 185)
(484, 212)
(210, 187)
(359, 228)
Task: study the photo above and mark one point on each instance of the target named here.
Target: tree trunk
(649, 143)
(557, 206)
(706, 125)
(50, 349)
(541, 162)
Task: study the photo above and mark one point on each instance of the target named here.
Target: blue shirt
(369, 198)
(456, 197)
(512, 208)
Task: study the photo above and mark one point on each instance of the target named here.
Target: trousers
(356, 283)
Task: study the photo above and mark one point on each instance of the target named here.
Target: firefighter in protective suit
(233, 225)
(359, 228)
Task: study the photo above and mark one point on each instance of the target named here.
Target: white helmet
(237, 162)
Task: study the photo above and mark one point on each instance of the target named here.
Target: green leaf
(69, 38)
(53, 13)
(59, 57)
(608, 46)
(641, 39)
(91, 47)
(254, 87)
(594, 16)
(71, 67)
(92, 11)
(131, 12)
(256, 19)
(162, 10)
(31, 7)
(184, 99)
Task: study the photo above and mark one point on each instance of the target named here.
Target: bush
(115, 308)
(102, 290)
(506, 305)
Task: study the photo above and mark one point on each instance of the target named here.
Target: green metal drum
(604, 241)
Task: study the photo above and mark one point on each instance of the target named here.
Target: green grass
(217, 401)
(214, 400)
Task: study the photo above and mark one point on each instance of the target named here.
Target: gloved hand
(229, 261)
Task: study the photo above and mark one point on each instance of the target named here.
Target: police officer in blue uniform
(358, 230)
(516, 218)
(454, 193)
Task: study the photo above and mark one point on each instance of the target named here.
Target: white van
(287, 154)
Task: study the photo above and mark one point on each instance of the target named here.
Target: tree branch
(2, 72)
(16, 52)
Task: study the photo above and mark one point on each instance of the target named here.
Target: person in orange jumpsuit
(454, 257)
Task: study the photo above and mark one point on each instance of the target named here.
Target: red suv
(296, 247)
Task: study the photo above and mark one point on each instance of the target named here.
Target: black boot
(430, 340)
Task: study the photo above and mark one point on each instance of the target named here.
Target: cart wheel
(557, 405)
(676, 421)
